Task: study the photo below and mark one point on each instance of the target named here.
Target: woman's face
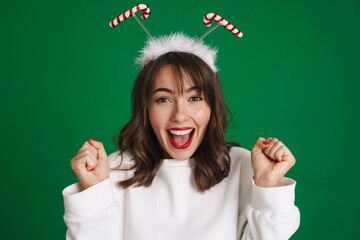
(179, 120)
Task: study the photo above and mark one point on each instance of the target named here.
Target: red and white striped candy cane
(214, 16)
(139, 7)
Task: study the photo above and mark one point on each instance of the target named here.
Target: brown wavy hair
(212, 159)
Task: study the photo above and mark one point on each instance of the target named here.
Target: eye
(162, 100)
(195, 99)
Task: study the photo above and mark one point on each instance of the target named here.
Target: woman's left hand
(270, 162)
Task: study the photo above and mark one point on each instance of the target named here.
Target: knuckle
(74, 162)
(81, 149)
(90, 165)
(88, 158)
(77, 167)
(94, 153)
(91, 152)
(84, 146)
(73, 166)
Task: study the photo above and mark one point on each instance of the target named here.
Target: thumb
(260, 144)
(101, 154)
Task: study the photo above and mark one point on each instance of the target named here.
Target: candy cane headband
(177, 42)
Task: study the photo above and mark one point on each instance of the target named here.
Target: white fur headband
(177, 42)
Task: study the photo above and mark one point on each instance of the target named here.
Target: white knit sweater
(173, 208)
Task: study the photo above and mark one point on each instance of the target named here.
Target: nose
(180, 112)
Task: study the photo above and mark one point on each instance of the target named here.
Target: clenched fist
(90, 164)
(270, 160)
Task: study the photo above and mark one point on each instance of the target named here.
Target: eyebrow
(193, 88)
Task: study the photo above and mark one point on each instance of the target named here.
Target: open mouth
(181, 138)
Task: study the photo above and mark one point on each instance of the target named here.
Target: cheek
(205, 119)
(202, 115)
(156, 118)
(152, 118)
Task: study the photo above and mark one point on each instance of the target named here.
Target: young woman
(174, 175)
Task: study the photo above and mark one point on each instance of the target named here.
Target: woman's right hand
(91, 164)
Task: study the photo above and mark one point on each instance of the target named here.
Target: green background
(66, 76)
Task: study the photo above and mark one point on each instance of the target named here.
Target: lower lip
(177, 146)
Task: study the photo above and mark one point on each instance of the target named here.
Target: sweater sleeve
(92, 213)
(271, 213)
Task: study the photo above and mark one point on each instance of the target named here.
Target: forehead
(168, 79)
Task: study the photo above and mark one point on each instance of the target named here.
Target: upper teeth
(180, 132)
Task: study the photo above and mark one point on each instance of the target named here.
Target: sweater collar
(177, 163)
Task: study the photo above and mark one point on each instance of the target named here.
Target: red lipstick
(180, 129)
(187, 144)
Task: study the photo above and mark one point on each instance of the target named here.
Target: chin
(182, 156)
